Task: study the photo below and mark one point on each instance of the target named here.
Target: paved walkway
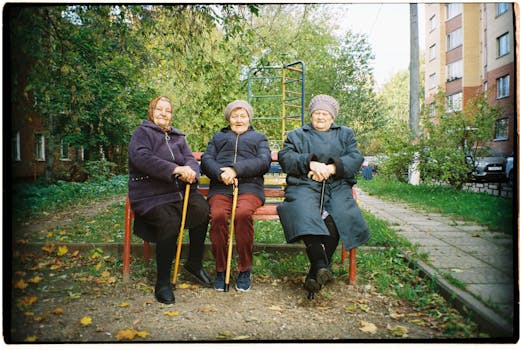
(482, 260)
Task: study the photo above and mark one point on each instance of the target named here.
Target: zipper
(235, 149)
(167, 139)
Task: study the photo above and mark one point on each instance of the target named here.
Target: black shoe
(324, 275)
(200, 274)
(165, 295)
(311, 283)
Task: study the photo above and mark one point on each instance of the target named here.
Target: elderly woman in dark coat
(321, 161)
(236, 155)
(160, 165)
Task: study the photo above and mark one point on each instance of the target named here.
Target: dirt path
(62, 297)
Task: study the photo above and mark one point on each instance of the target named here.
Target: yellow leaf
(171, 313)
(58, 311)
(142, 334)
(105, 274)
(86, 321)
(28, 300)
(35, 279)
(62, 250)
(275, 308)
(49, 234)
(55, 266)
(48, 248)
(31, 339)
(184, 286)
(124, 304)
(127, 334)
(368, 327)
(98, 266)
(95, 255)
(20, 284)
(398, 331)
(75, 254)
(207, 309)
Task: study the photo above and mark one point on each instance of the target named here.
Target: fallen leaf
(75, 254)
(105, 274)
(456, 270)
(136, 324)
(275, 308)
(398, 331)
(184, 286)
(130, 334)
(20, 284)
(395, 316)
(171, 313)
(31, 339)
(28, 300)
(35, 279)
(368, 327)
(364, 307)
(58, 311)
(48, 248)
(241, 337)
(350, 308)
(207, 309)
(124, 304)
(62, 250)
(85, 321)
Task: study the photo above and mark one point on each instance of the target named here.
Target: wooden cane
(180, 236)
(231, 239)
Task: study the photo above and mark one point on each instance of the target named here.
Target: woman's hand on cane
(320, 171)
(186, 174)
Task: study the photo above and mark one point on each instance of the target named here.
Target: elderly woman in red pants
(236, 155)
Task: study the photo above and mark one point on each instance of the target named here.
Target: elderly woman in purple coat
(160, 164)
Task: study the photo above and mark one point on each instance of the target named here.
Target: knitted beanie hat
(325, 103)
(239, 104)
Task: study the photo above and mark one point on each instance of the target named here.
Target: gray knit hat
(325, 103)
(239, 104)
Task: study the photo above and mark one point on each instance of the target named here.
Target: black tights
(166, 250)
(321, 248)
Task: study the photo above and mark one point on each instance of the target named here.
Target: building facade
(470, 49)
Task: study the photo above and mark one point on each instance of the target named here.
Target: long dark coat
(300, 213)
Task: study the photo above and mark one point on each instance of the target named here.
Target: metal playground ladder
(278, 96)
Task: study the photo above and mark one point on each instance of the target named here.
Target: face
(162, 114)
(321, 120)
(239, 121)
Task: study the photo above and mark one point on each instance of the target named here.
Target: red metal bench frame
(267, 212)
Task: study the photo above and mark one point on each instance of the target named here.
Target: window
(503, 86)
(454, 70)
(453, 10)
(433, 81)
(433, 24)
(39, 140)
(501, 129)
(432, 109)
(454, 102)
(433, 52)
(15, 147)
(503, 44)
(454, 39)
(64, 150)
(502, 7)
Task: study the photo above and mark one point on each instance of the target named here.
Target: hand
(228, 175)
(186, 174)
(320, 171)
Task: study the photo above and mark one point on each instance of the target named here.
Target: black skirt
(164, 221)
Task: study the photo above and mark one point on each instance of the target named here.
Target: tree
(453, 140)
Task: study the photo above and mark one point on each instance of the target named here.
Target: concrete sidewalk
(482, 260)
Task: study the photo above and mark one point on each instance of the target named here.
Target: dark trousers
(321, 248)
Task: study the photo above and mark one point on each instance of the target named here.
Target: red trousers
(220, 212)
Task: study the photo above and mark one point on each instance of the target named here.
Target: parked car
(490, 167)
(510, 172)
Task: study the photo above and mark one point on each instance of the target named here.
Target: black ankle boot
(164, 294)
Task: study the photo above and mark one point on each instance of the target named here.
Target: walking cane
(311, 295)
(231, 239)
(180, 236)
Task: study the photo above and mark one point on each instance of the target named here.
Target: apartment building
(470, 49)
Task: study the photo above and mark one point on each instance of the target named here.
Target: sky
(388, 28)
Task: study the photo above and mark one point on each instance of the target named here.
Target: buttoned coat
(301, 213)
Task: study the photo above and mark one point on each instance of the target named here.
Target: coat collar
(309, 127)
(173, 131)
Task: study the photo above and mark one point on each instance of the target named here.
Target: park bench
(274, 193)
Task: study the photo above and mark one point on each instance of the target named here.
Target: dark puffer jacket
(300, 213)
(151, 182)
(247, 153)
